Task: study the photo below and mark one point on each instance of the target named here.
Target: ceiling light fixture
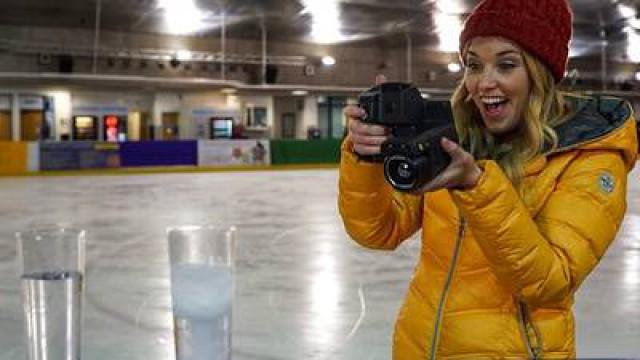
(626, 11)
(448, 28)
(328, 60)
(182, 17)
(299, 93)
(325, 21)
(633, 44)
(184, 55)
(450, 7)
(454, 67)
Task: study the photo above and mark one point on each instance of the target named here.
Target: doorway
(31, 125)
(5, 126)
(138, 126)
(145, 127)
(331, 118)
(289, 125)
(170, 126)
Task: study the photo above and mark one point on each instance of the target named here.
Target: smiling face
(498, 82)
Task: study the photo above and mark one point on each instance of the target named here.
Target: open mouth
(494, 105)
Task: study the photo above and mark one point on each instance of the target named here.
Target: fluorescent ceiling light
(325, 20)
(328, 60)
(182, 17)
(184, 55)
(454, 67)
(633, 44)
(448, 28)
(626, 11)
(299, 92)
(449, 7)
(229, 91)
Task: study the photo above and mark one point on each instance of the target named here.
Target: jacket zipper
(532, 339)
(445, 291)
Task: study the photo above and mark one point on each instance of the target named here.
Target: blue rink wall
(20, 158)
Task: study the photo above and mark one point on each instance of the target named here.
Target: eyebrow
(501, 53)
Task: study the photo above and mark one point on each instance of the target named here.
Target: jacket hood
(600, 123)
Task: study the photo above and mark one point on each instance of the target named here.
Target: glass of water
(52, 266)
(202, 262)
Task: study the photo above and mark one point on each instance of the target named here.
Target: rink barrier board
(13, 158)
(165, 156)
(159, 153)
(228, 152)
(33, 156)
(319, 151)
(78, 155)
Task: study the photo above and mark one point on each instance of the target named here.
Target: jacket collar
(597, 123)
(594, 118)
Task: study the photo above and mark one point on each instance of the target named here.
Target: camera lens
(400, 172)
(404, 171)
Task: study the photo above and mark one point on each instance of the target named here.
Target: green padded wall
(325, 151)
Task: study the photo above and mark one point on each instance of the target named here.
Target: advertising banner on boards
(233, 152)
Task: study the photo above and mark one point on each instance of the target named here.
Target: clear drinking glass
(52, 267)
(202, 261)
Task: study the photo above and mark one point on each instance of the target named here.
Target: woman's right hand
(366, 138)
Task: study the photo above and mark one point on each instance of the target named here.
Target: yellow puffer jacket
(498, 269)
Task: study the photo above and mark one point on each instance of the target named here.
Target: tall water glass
(51, 267)
(202, 261)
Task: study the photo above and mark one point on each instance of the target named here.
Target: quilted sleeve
(545, 259)
(373, 213)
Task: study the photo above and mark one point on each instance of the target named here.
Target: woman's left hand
(462, 172)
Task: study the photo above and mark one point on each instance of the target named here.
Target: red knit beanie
(541, 27)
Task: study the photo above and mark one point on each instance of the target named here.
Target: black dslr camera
(412, 155)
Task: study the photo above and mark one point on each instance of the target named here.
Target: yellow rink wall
(14, 158)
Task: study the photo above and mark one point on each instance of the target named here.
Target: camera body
(412, 155)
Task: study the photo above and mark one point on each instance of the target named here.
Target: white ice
(303, 289)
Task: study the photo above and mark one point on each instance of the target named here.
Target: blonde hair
(546, 108)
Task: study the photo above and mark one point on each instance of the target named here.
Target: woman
(534, 195)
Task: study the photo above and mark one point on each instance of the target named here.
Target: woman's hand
(366, 138)
(462, 173)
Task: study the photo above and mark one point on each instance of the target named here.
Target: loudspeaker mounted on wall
(271, 75)
(309, 70)
(44, 59)
(65, 64)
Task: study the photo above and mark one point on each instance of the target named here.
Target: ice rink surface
(303, 289)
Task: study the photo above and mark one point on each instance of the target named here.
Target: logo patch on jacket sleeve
(607, 183)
